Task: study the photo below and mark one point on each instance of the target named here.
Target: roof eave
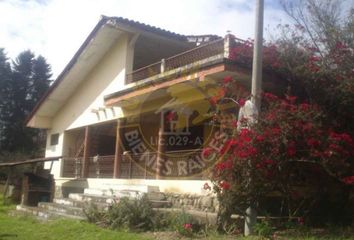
(67, 68)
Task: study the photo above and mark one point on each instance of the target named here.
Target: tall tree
(317, 55)
(5, 76)
(29, 79)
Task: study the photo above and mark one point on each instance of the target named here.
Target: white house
(103, 113)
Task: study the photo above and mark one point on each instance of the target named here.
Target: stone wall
(208, 203)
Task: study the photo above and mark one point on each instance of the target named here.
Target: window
(54, 139)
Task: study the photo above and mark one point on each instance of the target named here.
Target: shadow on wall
(71, 186)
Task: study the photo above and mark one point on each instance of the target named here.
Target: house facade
(133, 107)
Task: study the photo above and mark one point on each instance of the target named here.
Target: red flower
(314, 59)
(245, 135)
(187, 226)
(276, 130)
(291, 99)
(224, 165)
(241, 102)
(345, 137)
(260, 138)
(305, 106)
(348, 180)
(213, 100)
(206, 152)
(241, 154)
(220, 166)
(170, 116)
(340, 45)
(270, 97)
(252, 151)
(225, 185)
(234, 123)
(270, 116)
(335, 147)
(269, 162)
(227, 79)
(206, 186)
(307, 126)
(291, 149)
(229, 143)
(300, 220)
(311, 142)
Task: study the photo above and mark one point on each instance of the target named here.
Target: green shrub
(138, 215)
(264, 228)
(184, 223)
(96, 215)
(133, 214)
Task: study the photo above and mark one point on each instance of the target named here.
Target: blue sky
(56, 28)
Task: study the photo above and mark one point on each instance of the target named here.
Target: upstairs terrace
(195, 57)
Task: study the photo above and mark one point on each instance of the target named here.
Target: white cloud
(56, 28)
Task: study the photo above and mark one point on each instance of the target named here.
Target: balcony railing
(219, 47)
(99, 167)
(102, 166)
(71, 167)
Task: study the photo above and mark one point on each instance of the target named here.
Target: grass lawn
(28, 228)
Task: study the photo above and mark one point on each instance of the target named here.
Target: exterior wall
(167, 186)
(106, 77)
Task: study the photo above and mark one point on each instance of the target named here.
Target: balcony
(196, 57)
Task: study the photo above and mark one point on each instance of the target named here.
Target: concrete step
(107, 189)
(69, 202)
(78, 204)
(44, 214)
(59, 208)
(114, 193)
(73, 206)
(160, 203)
(95, 199)
(127, 191)
(105, 201)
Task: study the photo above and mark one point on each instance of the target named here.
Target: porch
(108, 151)
(103, 167)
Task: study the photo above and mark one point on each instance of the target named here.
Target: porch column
(160, 152)
(85, 162)
(119, 151)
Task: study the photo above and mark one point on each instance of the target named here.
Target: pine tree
(29, 79)
(5, 76)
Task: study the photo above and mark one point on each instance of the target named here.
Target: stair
(44, 214)
(73, 206)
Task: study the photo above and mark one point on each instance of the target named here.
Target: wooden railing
(199, 53)
(131, 166)
(71, 167)
(193, 55)
(220, 46)
(101, 166)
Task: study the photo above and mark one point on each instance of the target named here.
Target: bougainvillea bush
(297, 159)
(286, 163)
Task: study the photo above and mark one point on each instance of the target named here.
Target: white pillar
(251, 214)
(257, 55)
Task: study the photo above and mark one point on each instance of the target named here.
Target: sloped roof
(161, 31)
